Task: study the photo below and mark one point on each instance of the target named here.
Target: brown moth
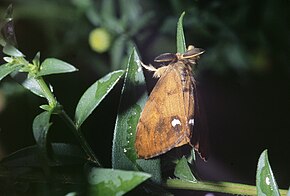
(168, 117)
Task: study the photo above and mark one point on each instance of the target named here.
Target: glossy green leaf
(265, 181)
(40, 129)
(7, 68)
(94, 95)
(133, 98)
(36, 59)
(114, 182)
(54, 66)
(12, 51)
(183, 171)
(181, 45)
(32, 85)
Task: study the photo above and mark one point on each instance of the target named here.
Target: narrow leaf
(36, 59)
(64, 154)
(7, 68)
(114, 182)
(94, 95)
(32, 85)
(55, 66)
(133, 98)
(12, 51)
(40, 128)
(183, 172)
(265, 181)
(181, 45)
(118, 50)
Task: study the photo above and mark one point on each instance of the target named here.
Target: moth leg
(157, 72)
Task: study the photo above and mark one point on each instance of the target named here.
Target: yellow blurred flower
(100, 40)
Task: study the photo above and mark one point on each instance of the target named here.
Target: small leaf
(265, 181)
(191, 158)
(46, 107)
(94, 95)
(54, 66)
(114, 182)
(7, 68)
(12, 51)
(133, 98)
(32, 85)
(183, 172)
(40, 128)
(181, 45)
(36, 59)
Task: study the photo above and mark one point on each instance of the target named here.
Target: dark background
(243, 77)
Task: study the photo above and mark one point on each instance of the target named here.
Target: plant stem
(53, 103)
(80, 138)
(221, 187)
(47, 93)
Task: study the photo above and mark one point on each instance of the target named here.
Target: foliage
(48, 164)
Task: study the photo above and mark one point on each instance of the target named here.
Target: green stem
(221, 187)
(80, 138)
(47, 93)
(53, 103)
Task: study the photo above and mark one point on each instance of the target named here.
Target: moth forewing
(166, 57)
(194, 52)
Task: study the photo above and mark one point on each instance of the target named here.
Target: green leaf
(7, 68)
(40, 128)
(54, 66)
(12, 51)
(114, 182)
(32, 85)
(64, 154)
(183, 172)
(181, 45)
(265, 181)
(133, 98)
(36, 59)
(118, 50)
(94, 95)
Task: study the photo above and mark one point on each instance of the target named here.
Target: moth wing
(163, 123)
(200, 130)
